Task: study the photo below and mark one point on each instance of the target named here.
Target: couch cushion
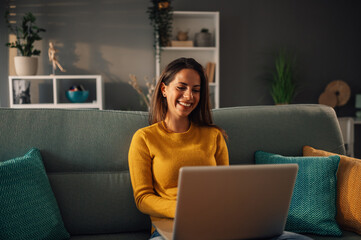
(313, 204)
(280, 129)
(348, 189)
(345, 236)
(141, 235)
(28, 208)
(98, 202)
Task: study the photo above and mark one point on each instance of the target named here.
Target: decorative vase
(203, 39)
(25, 66)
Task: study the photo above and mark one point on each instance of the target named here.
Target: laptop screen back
(233, 202)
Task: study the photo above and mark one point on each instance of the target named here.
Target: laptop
(231, 202)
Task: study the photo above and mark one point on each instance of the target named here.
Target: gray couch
(85, 155)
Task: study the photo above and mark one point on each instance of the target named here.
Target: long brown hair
(201, 115)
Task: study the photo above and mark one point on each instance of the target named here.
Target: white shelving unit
(57, 86)
(193, 22)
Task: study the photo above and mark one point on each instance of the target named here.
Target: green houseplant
(283, 85)
(26, 35)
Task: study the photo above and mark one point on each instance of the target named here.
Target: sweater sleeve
(140, 168)
(221, 154)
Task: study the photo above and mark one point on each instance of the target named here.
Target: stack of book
(182, 43)
(210, 70)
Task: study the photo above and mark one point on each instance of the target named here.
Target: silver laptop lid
(233, 202)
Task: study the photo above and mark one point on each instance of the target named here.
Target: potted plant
(26, 34)
(283, 85)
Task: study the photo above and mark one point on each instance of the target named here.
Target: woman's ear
(163, 88)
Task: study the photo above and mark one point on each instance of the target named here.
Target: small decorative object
(77, 94)
(182, 40)
(358, 105)
(160, 16)
(336, 94)
(182, 36)
(26, 35)
(203, 38)
(150, 85)
(283, 86)
(21, 92)
(53, 59)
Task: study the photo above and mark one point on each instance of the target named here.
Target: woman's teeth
(185, 104)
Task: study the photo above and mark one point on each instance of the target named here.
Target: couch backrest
(85, 152)
(282, 129)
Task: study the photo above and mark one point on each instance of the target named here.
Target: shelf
(189, 48)
(194, 13)
(58, 105)
(193, 22)
(50, 91)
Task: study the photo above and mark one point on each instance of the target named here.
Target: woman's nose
(188, 94)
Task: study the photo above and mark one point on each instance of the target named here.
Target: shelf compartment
(48, 91)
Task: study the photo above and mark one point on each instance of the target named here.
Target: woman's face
(183, 93)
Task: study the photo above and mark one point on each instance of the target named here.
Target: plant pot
(25, 66)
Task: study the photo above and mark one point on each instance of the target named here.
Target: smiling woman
(181, 123)
(182, 96)
(186, 71)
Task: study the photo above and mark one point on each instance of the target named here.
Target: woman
(181, 133)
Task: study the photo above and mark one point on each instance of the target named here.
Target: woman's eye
(196, 90)
(181, 88)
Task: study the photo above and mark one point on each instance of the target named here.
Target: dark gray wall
(113, 38)
(325, 36)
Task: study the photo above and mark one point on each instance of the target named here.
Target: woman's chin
(184, 111)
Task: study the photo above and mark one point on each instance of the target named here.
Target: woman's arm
(221, 154)
(140, 167)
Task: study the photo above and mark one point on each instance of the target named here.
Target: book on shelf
(210, 69)
(182, 43)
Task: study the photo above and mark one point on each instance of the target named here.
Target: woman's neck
(179, 125)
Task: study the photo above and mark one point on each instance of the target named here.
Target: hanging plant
(161, 16)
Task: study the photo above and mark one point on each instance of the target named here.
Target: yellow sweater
(155, 157)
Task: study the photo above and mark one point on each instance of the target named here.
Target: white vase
(25, 66)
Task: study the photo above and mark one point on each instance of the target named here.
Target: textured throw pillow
(313, 204)
(28, 208)
(348, 189)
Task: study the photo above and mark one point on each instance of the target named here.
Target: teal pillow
(28, 208)
(313, 204)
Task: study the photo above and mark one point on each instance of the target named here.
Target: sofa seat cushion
(348, 189)
(141, 235)
(28, 208)
(313, 204)
(346, 235)
(98, 202)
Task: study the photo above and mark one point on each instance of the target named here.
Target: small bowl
(77, 96)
